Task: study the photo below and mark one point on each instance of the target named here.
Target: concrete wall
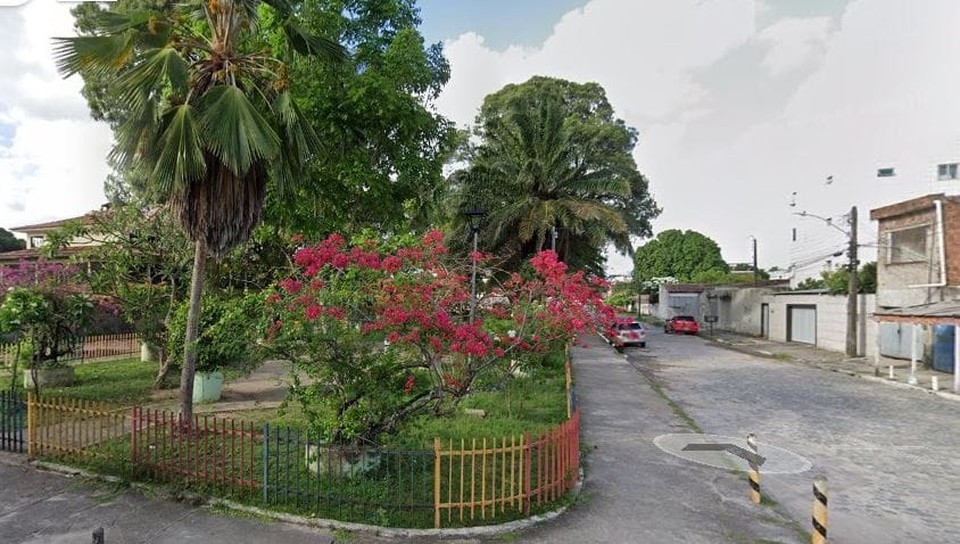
(896, 281)
(831, 320)
(739, 309)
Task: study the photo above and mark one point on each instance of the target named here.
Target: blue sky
(739, 104)
(501, 22)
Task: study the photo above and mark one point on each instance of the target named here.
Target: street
(890, 454)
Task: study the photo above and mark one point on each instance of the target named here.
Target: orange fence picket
(488, 479)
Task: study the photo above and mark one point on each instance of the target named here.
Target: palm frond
(305, 43)
(156, 70)
(234, 131)
(180, 161)
(99, 55)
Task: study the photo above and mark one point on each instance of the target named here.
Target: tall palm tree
(538, 183)
(211, 117)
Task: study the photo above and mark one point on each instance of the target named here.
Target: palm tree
(539, 184)
(210, 115)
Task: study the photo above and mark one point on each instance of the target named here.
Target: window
(36, 241)
(908, 245)
(886, 173)
(947, 171)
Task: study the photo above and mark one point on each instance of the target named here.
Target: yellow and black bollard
(819, 535)
(754, 472)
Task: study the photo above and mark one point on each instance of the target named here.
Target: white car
(630, 334)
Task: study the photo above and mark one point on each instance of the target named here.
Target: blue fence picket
(13, 421)
(383, 486)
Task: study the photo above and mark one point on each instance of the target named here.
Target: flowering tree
(43, 312)
(384, 328)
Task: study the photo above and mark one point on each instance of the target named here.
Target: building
(918, 278)
(36, 236)
(918, 258)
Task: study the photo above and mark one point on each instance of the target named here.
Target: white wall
(831, 320)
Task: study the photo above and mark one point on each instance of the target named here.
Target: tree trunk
(190, 347)
(164, 370)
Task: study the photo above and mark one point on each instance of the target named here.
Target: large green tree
(9, 242)
(209, 117)
(553, 160)
(684, 255)
(383, 145)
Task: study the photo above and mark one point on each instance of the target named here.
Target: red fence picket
(212, 452)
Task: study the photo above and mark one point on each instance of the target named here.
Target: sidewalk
(833, 361)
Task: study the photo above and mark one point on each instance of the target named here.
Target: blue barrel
(943, 348)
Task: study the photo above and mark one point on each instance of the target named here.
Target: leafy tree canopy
(684, 255)
(838, 281)
(382, 144)
(9, 242)
(553, 158)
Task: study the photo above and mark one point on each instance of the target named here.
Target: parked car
(681, 324)
(630, 333)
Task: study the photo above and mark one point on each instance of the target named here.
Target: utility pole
(853, 288)
(756, 272)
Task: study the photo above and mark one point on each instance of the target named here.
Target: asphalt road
(892, 455)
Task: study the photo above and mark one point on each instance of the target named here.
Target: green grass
(125, 382)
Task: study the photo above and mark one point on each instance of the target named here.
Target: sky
(743, 106)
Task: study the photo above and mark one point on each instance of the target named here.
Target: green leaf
(306, 43)
(235, 131)
(156, 70)
(101, 55)
(180, 158)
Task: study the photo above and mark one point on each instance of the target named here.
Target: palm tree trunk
(190, 347)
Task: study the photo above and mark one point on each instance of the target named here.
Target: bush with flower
(44, 314)
(384, 328)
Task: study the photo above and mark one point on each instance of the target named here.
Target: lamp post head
(475, 219)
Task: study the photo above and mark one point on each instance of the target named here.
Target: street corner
(727, 452)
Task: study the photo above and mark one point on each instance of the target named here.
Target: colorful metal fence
(110, 346)
(211, 453)
(13, 421)
(496, 478)
(365, 485)
(59, 427)
(88, 348)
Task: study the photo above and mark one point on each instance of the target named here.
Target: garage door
(802, 324)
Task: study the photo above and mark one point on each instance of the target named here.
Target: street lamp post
(475, 220)
(853, 285)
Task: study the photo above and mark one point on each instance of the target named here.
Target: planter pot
(340, 462)
(49, 377)
(148, 354)
(207, 386)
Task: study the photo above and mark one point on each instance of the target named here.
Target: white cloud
(794, 42)
(54, 164)
(642, 52)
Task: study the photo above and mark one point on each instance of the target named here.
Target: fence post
(569, 398)
(528, 453)
(31, 421)
(754, 473)
(819, 535)
(436, 482)
(266, 462)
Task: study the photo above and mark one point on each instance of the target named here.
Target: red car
(681, 324)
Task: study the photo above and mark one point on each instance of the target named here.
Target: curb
(389, 532)
(725, 344)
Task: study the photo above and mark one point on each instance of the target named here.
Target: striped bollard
(754, 472)
(819, 535)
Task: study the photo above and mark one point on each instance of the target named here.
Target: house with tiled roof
(36, 236)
